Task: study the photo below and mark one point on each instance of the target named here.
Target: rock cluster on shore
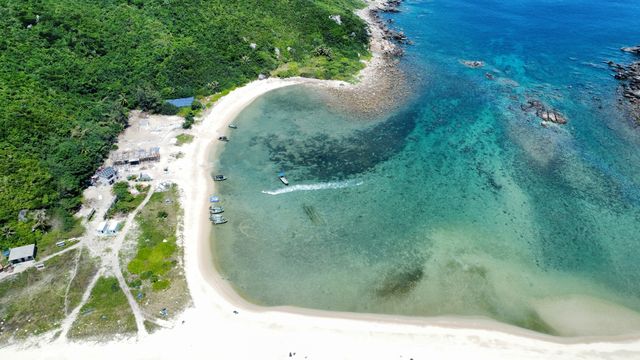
(382, 86)
(629, 77)
(390, 36)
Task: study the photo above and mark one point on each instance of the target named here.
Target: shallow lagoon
(460, 203)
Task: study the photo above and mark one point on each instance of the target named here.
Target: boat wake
(313, 187)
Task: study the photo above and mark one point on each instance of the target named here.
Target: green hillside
(71, 69)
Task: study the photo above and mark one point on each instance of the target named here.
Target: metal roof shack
(182, 102)
(105, 176)
(22, 254)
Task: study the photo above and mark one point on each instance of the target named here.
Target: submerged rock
(474, 64)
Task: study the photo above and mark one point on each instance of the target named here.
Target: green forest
(70, 70)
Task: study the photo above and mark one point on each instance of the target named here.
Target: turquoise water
(460, 203)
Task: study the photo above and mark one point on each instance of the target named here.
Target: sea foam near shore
(313, 187)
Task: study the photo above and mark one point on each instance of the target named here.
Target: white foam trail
(313, 187)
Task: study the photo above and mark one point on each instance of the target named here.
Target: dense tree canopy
(71, 69)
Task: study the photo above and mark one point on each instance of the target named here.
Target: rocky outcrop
(629, 77)
(632, 49)
(545, 113)
(383, 85)
(392, 37)
(390, 6)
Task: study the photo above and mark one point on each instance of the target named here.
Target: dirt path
(112, 261)
(72, 276)
(74, 246)
(68, 321)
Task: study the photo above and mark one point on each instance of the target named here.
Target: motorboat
(216, 209)
(232, 126)
(217, 219)
(219, 178)
(223, 138)
(283, 178)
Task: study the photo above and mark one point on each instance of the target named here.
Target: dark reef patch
(325, 157)
(312, 214)
(400, 282)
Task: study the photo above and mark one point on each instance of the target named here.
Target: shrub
(168, 109)
(188, 121)
(148, 99)
(196, 105)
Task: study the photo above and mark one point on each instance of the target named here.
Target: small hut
(106, 176)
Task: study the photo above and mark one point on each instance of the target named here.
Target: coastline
(260, 332)
(369, 80)
(224, 324)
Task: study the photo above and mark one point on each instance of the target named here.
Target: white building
(22, 254)
(110, 227)
(113, 227)
(102, 227)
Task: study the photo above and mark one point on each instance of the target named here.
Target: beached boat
(216, 209)
(283, 178)
(223, 138)
(219, 178)
(214, 199)
(217, 219)
(232, 126)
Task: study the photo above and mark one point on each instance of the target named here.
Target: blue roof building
(182, 102)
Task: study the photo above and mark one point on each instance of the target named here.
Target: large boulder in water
(544, 112)
(632, 49)
(552, 116)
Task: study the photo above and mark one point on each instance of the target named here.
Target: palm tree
(7, 232)
(122, 100)
(213, 86)
(40, 217)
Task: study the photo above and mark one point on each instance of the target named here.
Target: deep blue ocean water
(460, 203)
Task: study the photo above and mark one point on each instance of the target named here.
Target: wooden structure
(135, 157)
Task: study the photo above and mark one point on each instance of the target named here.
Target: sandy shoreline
(212, 329)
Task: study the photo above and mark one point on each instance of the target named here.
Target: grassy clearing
(106, 313)
(155, 274)
(86, 270)
(32, 302)
(47, 244)
(125, 200)
(184, 139)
